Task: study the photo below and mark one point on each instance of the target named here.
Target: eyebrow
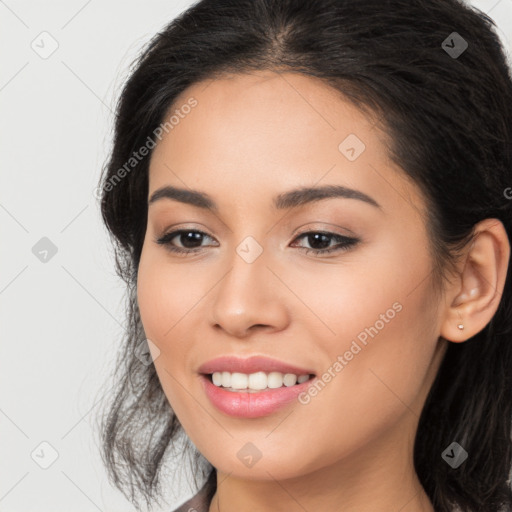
(285, 200)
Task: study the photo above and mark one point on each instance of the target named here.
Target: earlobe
(476, 295)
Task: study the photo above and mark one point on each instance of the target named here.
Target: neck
(365, 481)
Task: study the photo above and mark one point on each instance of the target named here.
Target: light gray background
(62, 319)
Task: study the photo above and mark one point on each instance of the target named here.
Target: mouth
(257, 382)
(255, 386)
(240, 399)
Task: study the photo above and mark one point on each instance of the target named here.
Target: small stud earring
(460, 326)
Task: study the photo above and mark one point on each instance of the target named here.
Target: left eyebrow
(290, 199)
(300, 196)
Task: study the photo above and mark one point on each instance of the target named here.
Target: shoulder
(194, 504)
(198, 503)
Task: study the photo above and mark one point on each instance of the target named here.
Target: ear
(473, 298)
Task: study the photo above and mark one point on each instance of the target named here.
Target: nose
(250, 297)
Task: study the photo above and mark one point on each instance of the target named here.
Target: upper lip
(250, 365)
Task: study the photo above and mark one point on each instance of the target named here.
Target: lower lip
(252, 405)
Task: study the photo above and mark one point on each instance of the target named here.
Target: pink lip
(252, 405)
(250, 365)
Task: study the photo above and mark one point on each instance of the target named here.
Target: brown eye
(320, 242)
(190, 243)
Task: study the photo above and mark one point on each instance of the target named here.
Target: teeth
(256, 381)
(226, 379)
(239, 380)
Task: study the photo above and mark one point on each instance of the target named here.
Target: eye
(189, 241)
(321, 238)
(192, 242)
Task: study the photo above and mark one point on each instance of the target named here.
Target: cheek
(165, 295)
(158, 296)
(149, 298)
(379, 317)
(343, 298)
(379, 385)
(167, 298)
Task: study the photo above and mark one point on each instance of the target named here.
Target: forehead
(278, 109)
(264, 132)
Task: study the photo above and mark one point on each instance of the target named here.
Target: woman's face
(363, 319)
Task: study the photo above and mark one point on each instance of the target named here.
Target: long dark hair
(435, 76)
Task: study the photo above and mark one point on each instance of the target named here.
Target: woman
(310, 205)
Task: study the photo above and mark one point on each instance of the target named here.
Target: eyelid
(320, 226)
(177, 230)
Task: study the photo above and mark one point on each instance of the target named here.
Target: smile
(256, 381)
(247, 402)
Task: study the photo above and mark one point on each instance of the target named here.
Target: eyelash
(344, 242)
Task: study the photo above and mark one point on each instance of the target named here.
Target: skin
(349, 449)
